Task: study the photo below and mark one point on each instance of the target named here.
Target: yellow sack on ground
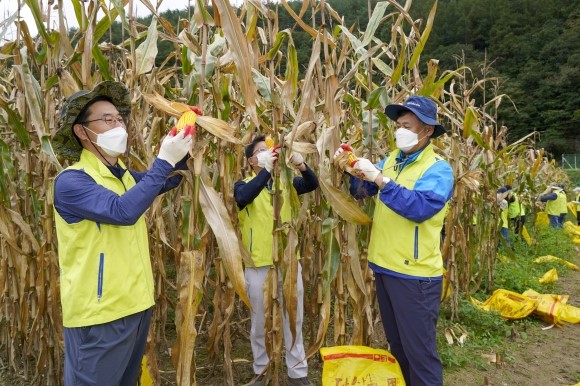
(549, 277)
(554, 259)
(508, 304)
(526, 235)
(570, 314)
(549, 307)
(571, 229)
(542, 218)
(359, 365)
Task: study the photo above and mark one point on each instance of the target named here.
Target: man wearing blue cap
(414, 186)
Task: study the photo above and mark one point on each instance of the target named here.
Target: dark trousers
(518, 224)
(106, 354)
(555, 221)
(409, 311)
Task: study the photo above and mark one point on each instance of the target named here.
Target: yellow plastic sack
(145, 378)
(549, 277)
(571, 229)
(508, 304)
(554, 259)
(570, 314)
(526, 235)
(542, 218)
(359, 365)
(553, 308)
(549, 306)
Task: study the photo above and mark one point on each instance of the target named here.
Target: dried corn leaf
(238, 45)
(174, 109)
(324, 313)
(217, 127)
(343, 204)
(218, 219)
(290, 277)
(191, 292)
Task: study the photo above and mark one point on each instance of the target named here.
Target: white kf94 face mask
(113, 142)
(406, 139)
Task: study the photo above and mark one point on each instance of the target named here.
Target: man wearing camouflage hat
(106, 278)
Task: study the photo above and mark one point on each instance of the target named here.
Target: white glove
(338, 153)
(297, 159)
(266, 159)
(366, 170)
(503, 204)
(174, 148)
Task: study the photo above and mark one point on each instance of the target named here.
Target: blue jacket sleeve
(549, 197)
(428, 197)
(307, 183)
(78, 197)
(171, 182)
(246, 192)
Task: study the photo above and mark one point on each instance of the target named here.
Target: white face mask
(113, 142)
(406, 139)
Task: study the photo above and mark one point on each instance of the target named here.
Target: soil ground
(544, 357)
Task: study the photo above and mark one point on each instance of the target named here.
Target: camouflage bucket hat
(64, 142)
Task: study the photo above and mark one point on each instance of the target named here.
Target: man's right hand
(267, 158)
(175, 147)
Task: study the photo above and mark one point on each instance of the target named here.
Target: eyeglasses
(259, 151)
(109, 119)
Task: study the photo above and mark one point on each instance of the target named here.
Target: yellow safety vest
(504, 218)
(105, 270)
(558, 206)
(402, 245)
(257, 224)
(515, 208)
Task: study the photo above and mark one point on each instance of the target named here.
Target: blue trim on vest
(100, 276)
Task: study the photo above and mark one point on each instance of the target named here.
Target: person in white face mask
(413, 185)
(106, 281)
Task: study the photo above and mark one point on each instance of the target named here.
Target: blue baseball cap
(424, 108)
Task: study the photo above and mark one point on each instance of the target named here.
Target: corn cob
(269, 142)
(187, 118)
(348, 150)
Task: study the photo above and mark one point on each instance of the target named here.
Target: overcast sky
(9, 7)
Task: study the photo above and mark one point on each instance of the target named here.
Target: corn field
(241, 69)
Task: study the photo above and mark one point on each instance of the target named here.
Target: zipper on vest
(416, 246)
(100, 277)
